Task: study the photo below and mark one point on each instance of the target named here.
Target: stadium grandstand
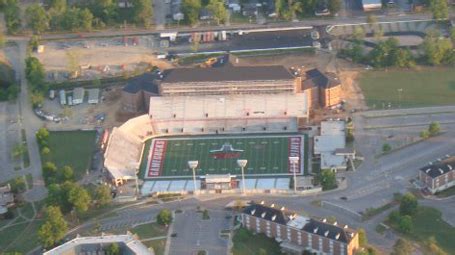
(210, 101)
(227, 81)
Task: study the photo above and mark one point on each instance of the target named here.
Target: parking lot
(9, 138)
(195, 234)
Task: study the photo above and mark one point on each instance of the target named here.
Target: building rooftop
(93, 94)
(328, 143)
(78, 93)
(127, 242)
(144, 82)
(227, 73)
(334, 231)
(333, 127)
(439, 169)
(315, 78)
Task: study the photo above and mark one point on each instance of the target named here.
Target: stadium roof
(144, 82)
(439, 169)
(227, 73)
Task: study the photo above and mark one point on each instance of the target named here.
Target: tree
(439, 9)
(363, 241)
(219, 10)
(2, 39)
(106, 10)
(86, 19)
(18, 185)
(262, 251)
(42, 136)
(57, 6)
(45, 151)
(112, 249)
(394, 217)
(54, 227)
(55, 195)
(79, 198)
(50, 172)
(405, 224)
(424, 134)
(35, 74)
(66, 174)
(164, 217)
(408, 204)
(12, 16)
(402, 58)
(438, 50)
(103, 195)
(371, 19)
(37, 18)
(142, 11)
(434, 128)
(328, 179)
(73, 61)
(334, 6)
(386, 148)
(190, 9)
(18, 150)
(37, 99)
(402, 247)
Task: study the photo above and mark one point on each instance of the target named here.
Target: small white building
(78, 96)
(93, 96)
(371, 5)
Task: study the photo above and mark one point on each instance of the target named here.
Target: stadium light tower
(193, 164)
(242, 164)
(294, 161)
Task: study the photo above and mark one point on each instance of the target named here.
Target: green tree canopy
(328, 179)
(408, 204)
(190, 9)
(37, 18)
(439, 9)
(112, 249)
(35, 74)
(219, 10)
(434, 128)
(363, 241)
(438, 50)
(12, 14)
(142, 11)
(66, 174)
(103, 195)
(405, 224)
(79, 198)
(54, 227)
(164, 217)
(334, 6)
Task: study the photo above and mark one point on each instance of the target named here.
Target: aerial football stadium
(266, 154)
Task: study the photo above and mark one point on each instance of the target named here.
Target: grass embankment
(245, 243)
(426, 87)
(72, 148)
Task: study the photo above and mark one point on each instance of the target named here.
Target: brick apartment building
(297, 233)
(440, 176)
(324, 89)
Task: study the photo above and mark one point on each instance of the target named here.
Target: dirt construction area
(99, 58)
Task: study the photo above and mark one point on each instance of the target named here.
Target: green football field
(266, 155)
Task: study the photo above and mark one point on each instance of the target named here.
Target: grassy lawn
(149, 230)
(27, 210)
(245, 243)
(446, 193)
(157, 245)
(73, 148)
(21, 238)
(428, 223)
(26, 156)
(426, 87)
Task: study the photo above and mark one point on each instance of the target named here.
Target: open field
(427, 222)
(157, 245)
(266, 155)
(149, 230)
(72, 148)
(20, 238)
(426, 87)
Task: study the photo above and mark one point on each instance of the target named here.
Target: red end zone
(294, 150)
(156, 159)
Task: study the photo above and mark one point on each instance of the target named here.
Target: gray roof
(227, 73)
(439, 169)
(267, 213)
(316, 78)
(146, 82)
(328, 230)
(78, 93)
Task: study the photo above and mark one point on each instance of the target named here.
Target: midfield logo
(226, 152)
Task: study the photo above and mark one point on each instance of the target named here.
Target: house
(205, 14)
(78, 96)
(371, 5)
(324, 89)
(330, 146)
(93, 96)
(128, 244)
(298, 234)
(234, 5)
(440, 176)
